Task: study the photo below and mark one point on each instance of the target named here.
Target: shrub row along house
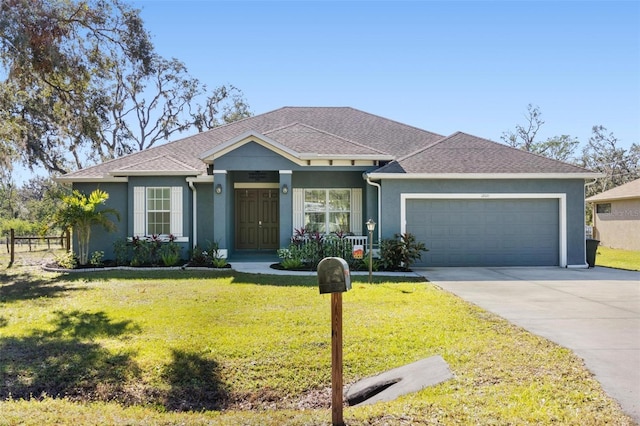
(248, 185)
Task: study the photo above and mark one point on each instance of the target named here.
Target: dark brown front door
(257, 219)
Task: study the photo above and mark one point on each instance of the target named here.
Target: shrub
(400, 252)
(364, 263)
(209, 256)
(96, 258)
(67, 260)
(122, 250)
(199, 257)
(147, 251)
(169, 253)
(219, 262)
(307, 249)
(143, 252)
(291, 263)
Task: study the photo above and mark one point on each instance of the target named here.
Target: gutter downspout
(194, 209)
(379, 187)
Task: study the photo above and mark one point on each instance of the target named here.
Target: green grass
(616, 258)
(226, 348)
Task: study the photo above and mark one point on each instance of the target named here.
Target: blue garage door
(522, 232)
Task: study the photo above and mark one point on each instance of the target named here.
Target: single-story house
(248, 185)
(616, 216)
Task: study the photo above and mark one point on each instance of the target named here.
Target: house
(616, 216)
(249, 184)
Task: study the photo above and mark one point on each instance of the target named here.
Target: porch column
(221, 198)
(286, 208)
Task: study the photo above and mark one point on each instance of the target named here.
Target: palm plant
(81, 212)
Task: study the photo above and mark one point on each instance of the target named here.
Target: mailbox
(333, 275)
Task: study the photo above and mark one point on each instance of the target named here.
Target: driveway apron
(594, 312)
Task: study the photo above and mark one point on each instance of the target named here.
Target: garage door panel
(510, 232)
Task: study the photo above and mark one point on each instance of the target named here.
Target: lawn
(224, 348)
(616, 258)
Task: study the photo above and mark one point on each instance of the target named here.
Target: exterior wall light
(285, 189)
(218, 189)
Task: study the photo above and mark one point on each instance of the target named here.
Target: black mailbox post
(334, 278)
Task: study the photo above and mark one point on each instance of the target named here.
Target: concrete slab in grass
(400, 381)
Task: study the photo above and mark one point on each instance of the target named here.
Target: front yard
(179, 347)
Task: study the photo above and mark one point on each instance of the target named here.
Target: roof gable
(312, 142)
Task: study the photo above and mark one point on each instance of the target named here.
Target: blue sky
(441, 66)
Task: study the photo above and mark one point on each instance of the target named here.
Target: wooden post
(13, 246)
(336, 360)
(68, 240)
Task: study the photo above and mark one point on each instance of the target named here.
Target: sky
(470, 66)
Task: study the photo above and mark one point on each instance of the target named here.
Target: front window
(158, 211)
(327, 210)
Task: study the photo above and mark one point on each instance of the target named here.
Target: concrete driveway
(594, 312)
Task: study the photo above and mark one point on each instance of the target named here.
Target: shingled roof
(339, 132)
(468, 154)
(622, 192)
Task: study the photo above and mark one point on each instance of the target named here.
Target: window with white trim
(327, 210)
(157, 211)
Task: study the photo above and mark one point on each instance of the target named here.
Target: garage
(486, 229)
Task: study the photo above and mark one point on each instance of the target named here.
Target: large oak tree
(80, 82)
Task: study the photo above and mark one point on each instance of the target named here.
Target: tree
(85, 85)
(9, 199)
(149, 108)
(558, 147)
(81, 212)
(602, 154)
(40, 197)
(55, 55)
(216, 112)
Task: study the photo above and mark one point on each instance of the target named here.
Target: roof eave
(314, 156)
(90, 179)
(117, 173)
(606, 199)
(583, 175)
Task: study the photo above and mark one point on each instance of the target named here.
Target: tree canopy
(82, 83)
(603, 154)
(524, 137)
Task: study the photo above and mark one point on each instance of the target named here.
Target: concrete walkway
(265, 268)
(594, 312)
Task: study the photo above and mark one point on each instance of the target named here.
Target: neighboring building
(616, 216)
(249, 184)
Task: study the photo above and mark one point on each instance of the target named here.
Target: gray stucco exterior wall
(205, 213)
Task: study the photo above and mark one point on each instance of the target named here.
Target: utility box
(333, 275)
